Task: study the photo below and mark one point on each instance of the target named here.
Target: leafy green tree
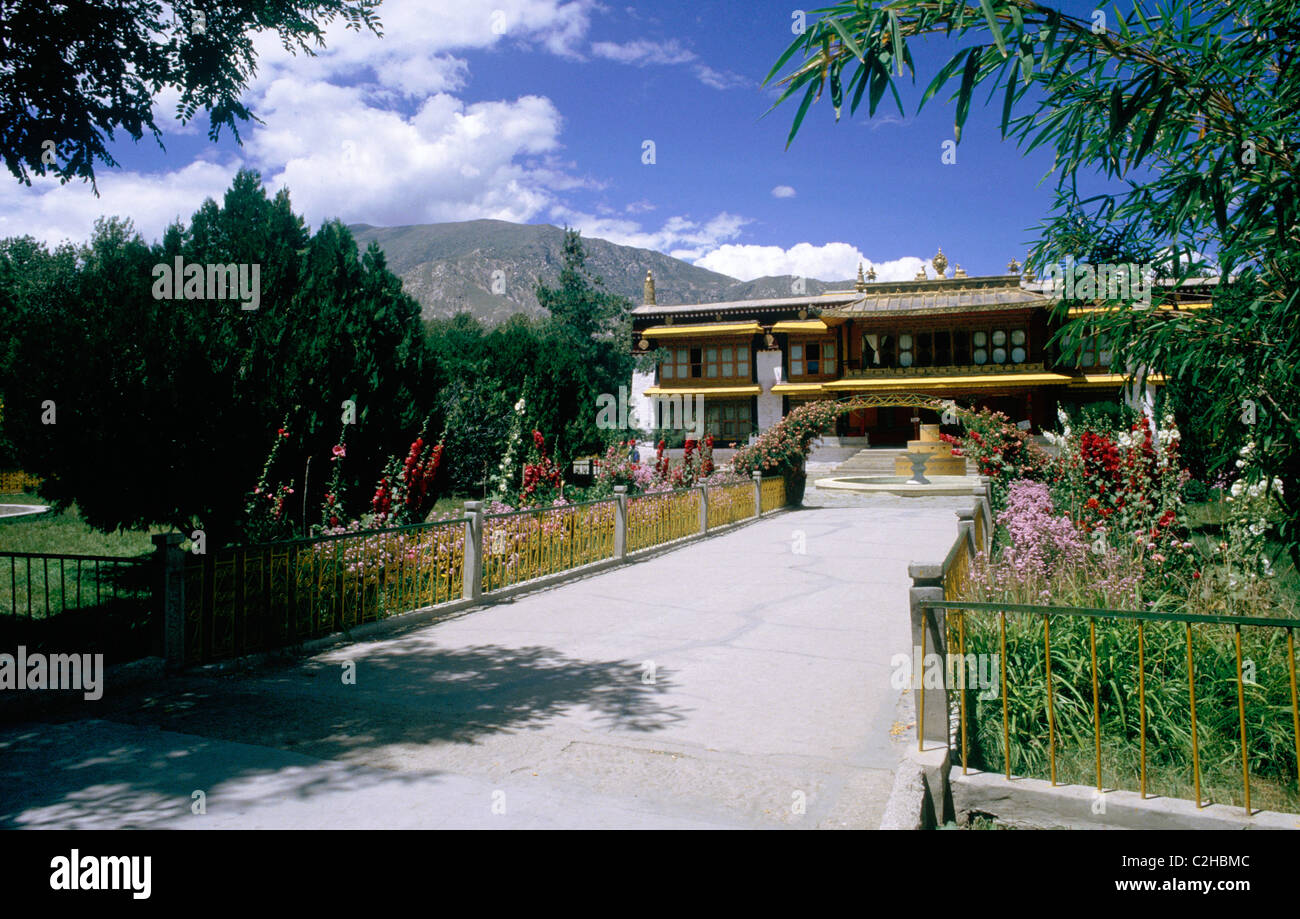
(582, 355)
(164, 410)
(580, 301)
(78, 71)
(1189, 111)
(478, 414)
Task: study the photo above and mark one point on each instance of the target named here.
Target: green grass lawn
(21, 498)
(450, 505)
(1206, 519)
(66, 534)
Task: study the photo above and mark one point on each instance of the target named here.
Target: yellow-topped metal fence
(1132, 690)
(13, 482)
(242, 600)
(662, 517)
(524, 545)
(772, 493)
(95, 603)
(246, 599)
(730, 504)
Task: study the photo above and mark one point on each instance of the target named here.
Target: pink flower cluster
(1041, 541)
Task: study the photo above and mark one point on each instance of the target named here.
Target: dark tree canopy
(580, 301)
(165, 409)
(74, 73)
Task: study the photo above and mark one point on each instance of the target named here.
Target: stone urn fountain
(929, 455)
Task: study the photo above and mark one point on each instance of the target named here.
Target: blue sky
(536, 111)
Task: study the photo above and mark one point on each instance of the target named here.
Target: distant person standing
(634, 455)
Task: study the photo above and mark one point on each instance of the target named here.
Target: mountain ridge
(490, 268)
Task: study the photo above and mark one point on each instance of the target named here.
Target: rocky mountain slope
(490, 268)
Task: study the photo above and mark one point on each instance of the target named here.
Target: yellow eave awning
(1164, 308)
(754, 390)
(702, 331)
(1108, 380)
(798, 389)
(978, 381)
(804, 326)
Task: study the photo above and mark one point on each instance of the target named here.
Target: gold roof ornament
(649, 289)
(920, 275)
(862, 282)
(1013, 267)
(959, 272)
(1029, 273)
(871, 273)
(940, 263)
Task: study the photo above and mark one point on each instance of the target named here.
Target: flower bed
(1105, 527)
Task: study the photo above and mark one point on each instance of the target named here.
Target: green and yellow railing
(772, 493)
(662, 517)
(1059, 619)
(1138, 700)
(730, 504)
(246, 599)
(14, 482)
(525, 545)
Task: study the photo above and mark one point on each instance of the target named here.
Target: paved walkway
(21, 510)
(719, 685)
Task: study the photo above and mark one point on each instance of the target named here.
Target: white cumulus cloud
(783, 191)
(680, 236)
(829, 262)
(53, 213)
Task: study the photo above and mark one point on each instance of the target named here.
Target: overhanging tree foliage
(1189, 112)
(77, 71)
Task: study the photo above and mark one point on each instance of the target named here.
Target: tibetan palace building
(980, 340)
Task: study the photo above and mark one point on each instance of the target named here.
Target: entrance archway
(905, 400)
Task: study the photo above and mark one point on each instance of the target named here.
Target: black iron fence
(94, 603)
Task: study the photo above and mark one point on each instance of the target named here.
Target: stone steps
(878, 461)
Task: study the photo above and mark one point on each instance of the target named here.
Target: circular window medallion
(1018, 355)
(981, 356)
(999, 355)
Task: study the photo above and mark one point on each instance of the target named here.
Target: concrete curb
(920, 799)
(1037, 804)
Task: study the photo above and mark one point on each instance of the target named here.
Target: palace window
(887, 350)
(710, 362)
(945, 347)
(812, 358)
(942, 348)
(730, 420)
(1095, 351)
(961, 347)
